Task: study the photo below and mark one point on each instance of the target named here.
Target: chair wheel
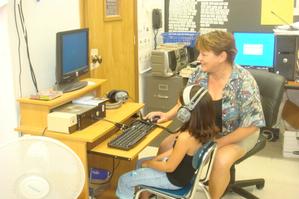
(260, 185)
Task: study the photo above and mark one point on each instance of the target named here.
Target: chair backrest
(271, 88)
(203, 162)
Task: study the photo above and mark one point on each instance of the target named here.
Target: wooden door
(115, 40)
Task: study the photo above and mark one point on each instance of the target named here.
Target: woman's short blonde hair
(218, 42)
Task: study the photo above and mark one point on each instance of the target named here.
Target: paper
(275, 12)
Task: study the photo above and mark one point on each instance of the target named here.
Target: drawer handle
(162, 96)
(163, 87)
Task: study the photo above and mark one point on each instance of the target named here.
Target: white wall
(7, 100)
(146, 35)
(43, 19)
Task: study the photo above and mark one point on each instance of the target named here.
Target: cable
(22, 21)
(111, 172)
(19, 48)
(157, 125)
(166, 129)
(114, 167)
(155, 37)
(43, 133)
(117, 124)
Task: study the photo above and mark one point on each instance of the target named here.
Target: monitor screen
(71, 57)
(255, 49)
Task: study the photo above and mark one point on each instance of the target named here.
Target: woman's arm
(175, 157)
(164, 117)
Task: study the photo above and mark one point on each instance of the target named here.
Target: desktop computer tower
(286, 56)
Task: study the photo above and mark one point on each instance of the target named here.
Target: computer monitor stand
(71, 86)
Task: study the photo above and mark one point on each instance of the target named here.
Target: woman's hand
(163, 117)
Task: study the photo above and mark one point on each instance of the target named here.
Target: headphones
(184, 112)
(116, 98)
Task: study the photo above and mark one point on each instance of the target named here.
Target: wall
(146, 35)
(43, 19)
(7, 99)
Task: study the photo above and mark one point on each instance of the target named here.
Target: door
(115, 40)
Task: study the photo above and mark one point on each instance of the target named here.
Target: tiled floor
(281, 174)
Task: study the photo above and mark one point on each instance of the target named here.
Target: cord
(19, 49)
(121, 126)
(111, 172)
(157, 125)
(22, 21)
(166, 129)
(43, 133)
(155, 37)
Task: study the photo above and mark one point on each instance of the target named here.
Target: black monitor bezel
(269, 68)
(71, 76)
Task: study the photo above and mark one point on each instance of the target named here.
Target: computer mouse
(155, 119)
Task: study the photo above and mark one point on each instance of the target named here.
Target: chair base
(237, 187)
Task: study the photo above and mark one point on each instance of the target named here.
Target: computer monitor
(255, 49)
(71, 59)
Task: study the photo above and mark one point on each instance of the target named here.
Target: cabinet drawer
(162, 92)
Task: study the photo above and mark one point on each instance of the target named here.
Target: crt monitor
(71, 59)
(255, 49)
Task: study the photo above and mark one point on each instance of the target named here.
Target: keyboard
(133, 134)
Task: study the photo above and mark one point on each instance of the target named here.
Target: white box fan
(35, 167)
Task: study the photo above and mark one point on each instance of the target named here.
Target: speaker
(117, 96)
(157, 18)
(184, 112)
(286, 56)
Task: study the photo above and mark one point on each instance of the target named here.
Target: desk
(292, 85)
(33, 120)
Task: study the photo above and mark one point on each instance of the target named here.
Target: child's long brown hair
(202, 123)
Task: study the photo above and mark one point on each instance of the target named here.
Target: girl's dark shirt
(218, 111)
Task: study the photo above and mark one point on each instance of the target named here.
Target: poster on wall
(229, 15)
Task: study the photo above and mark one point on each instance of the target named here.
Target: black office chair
(271, 88)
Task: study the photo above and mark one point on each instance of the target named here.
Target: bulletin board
(229, 15)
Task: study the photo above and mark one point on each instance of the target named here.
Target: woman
(173, 169)
(236, 100)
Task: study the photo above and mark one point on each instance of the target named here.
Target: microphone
(291, 27)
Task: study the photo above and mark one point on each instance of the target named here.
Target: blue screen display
(255, 49)
(74, 51)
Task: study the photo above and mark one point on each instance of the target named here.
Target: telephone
(157, 18)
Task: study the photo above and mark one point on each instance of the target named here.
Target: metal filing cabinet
(161, 93)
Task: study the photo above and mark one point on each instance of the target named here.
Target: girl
(173, 168)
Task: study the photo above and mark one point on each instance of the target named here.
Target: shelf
(66, 97)
(96, 130)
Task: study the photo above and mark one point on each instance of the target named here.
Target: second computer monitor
(255, 49)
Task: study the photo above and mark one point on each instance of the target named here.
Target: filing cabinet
(161, 93)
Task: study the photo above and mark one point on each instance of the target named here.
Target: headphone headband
(191, 103)
(184, 113)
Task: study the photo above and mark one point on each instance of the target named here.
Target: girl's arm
(163, 155)
(175, 157)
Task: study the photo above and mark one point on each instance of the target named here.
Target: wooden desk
(292, 85)
(33, 120)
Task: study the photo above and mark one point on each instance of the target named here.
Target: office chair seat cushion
(178, 193)
(258, 146)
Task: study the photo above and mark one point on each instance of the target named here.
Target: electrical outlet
(95, 59)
